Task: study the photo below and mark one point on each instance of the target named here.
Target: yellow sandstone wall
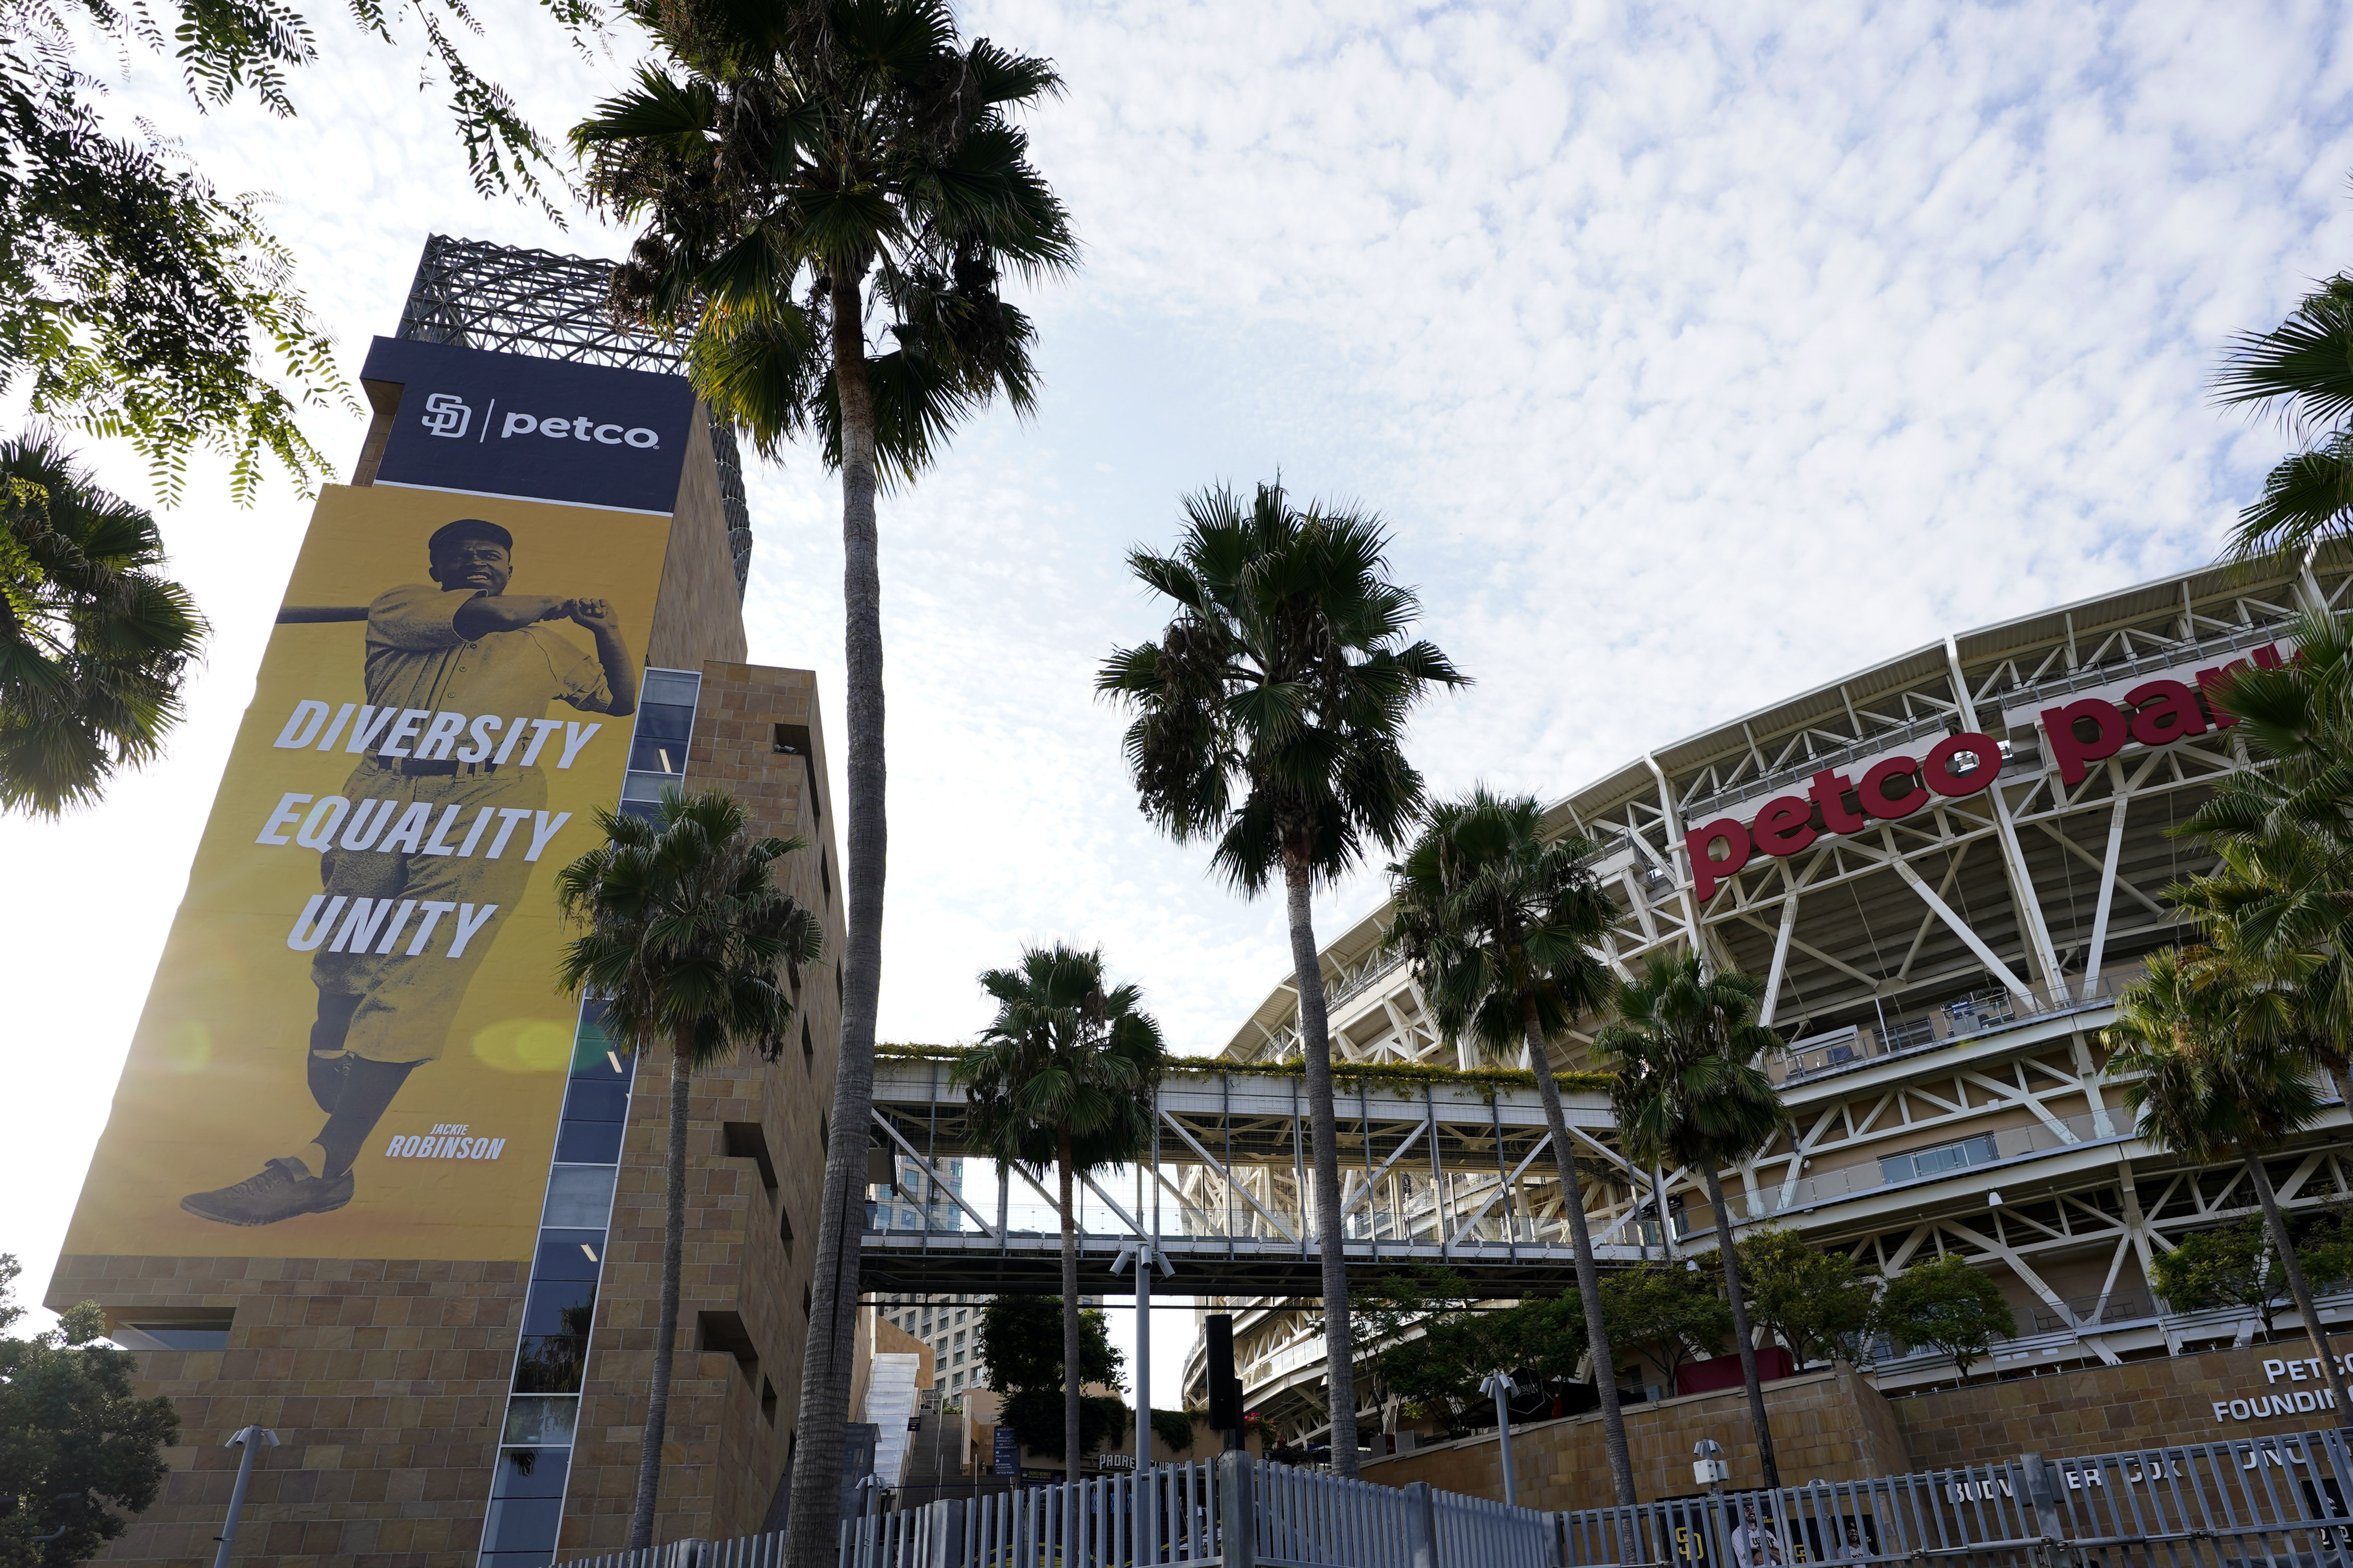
(1835, 1426)
(1830, 1425)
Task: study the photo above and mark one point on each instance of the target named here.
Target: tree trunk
(1726, 1251)
(1074, 1357)
(2300, 1291)
(1315, 1050)
(811, 1533)
(1588, 1278)
(650, 1444)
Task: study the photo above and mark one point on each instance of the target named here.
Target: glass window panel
(594, 1054)
(538, 1557)
(665, 721)
(603, 1097)
(560, 1306)
(657, 755)
(587, 1143)
(568, 1255)
(171, 1336)
(672, 686)
(530, 1473)
(646, 788)
(526, 1504)
(579, 1196)
(643, 810)
(551, 1364)
(540, 1419)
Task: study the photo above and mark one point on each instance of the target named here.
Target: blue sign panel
(512, 424)
(1006, 1459)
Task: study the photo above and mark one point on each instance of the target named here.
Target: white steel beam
(2107, 884)
(1780, 955)
(1960, 928)
(2022, 882)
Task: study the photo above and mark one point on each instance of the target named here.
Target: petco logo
(446, 414)
(579, 429)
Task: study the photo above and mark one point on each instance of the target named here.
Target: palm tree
(1689, 1092)
(93, 639)
(2302, 371)
(813, 178)
(1269, 717)
(1500, 926)
(683, 935)
(2218, 1071)
(1063, 1076)
(2283, 887)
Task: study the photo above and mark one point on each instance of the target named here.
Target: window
(1941, 1159)
(808, 1045)
(825, 875)
(174, 1334)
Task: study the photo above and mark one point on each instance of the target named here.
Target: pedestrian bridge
(1438, 1167)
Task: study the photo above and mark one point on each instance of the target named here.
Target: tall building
(912, 1200)
(1944, 868)
(370, 1180)
(950, 1325)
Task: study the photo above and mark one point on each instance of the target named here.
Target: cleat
(283, 1189)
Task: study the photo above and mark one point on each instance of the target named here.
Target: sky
(1693, 355)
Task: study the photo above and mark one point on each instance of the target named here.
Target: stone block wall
(2105, 1409)
(1827, 1426)
(697, 612)
(748, 1265)
(1835, 1426)
(384, 1379)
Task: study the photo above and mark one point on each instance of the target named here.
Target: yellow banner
(354, 1047)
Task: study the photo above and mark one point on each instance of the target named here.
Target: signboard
(1004, 1459)
(353, 1045)
(509, 424)
(2088, 729)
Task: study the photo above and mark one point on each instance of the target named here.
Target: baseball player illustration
(425, 899)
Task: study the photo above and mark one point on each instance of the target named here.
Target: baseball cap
(469, 528)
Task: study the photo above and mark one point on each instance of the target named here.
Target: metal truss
(1456, 1175)
(511, 300)
(1943, 977)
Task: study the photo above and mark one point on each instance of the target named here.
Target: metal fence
(2268, 1502)
(2280, 1502)
(1232, 1512)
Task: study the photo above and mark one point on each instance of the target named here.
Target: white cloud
(1695, 354)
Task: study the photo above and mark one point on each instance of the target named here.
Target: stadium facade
(1941, 961)
(452, 1335)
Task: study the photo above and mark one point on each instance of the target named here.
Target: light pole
(249, 1438)
(1142, 1257)
(1500, 1385)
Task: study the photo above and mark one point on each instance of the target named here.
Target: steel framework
(1943, 977)
(511, 300)
(1437, 1170)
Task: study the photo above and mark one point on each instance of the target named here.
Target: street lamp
(251, 1440)
(1142, 1257)
(1500, 1385)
